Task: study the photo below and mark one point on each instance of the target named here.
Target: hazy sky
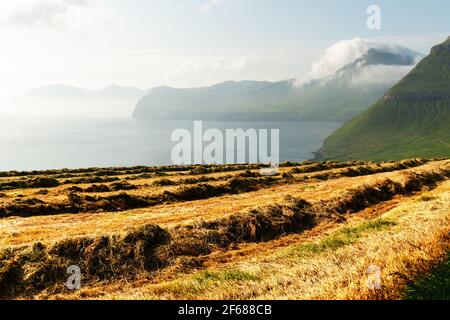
(145, 43)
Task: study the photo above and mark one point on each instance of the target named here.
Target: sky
(184, 43)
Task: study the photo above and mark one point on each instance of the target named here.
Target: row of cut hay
(79, 172)
(30, 269)
(110, 175)
(322, 166)
(205, 179)
(77, 203)
(188, 181)
(118, 171)
(102, 188)
(87, 173)
(353, 169)
(38, 267)
(38, 182)
(113, 171)
(47, 182)
(366, 196)
(295, 215)
(299, 167)
(364, 170)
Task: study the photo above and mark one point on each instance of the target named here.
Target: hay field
(331, 230)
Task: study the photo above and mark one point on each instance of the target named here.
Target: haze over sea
(53, 142)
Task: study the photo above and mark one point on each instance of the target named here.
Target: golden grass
(46, 229)
(415, 238)
(328, 262)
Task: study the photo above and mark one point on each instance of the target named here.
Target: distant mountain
(346, 92)
(411, 120)
(62, 100)
(69, 92)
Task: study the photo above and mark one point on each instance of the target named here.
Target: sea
(55, 142)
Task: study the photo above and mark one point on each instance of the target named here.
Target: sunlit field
(331, 230)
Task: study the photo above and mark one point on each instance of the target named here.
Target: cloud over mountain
(346, 80)
(346, 52)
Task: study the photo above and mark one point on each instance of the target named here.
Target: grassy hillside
(223, 232)
(411, 120)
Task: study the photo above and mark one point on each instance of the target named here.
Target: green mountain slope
(411, 120)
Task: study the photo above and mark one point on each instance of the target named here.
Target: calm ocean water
(29, 143)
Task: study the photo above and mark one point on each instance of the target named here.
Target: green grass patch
(226, 275)
(203, 281)
(343, 237)
(435, 286)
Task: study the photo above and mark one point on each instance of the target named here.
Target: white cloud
(376, 75)
(208, 5)
(347, 51)
(71, 14)
(191, 69)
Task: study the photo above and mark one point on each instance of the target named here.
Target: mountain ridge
(337, 97)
